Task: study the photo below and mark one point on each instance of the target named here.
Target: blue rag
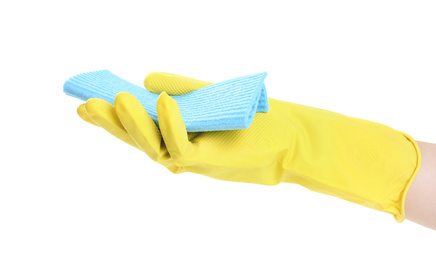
(227, 105)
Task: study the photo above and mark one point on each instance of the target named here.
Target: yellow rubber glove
(353, 159)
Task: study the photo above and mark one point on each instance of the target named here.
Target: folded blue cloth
(227, 105)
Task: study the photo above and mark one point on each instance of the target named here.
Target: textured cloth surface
(227, 105)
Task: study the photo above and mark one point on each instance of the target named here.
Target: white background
(69, 190)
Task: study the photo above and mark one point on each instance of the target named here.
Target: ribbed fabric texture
(227, 105)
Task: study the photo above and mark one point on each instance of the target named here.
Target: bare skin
(421, 198)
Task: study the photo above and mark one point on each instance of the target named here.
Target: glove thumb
(175, 85)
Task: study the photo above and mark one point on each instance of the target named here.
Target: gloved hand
(354, 159)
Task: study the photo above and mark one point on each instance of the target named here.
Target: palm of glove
(238, 155)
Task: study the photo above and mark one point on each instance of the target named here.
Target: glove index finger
(172, 128)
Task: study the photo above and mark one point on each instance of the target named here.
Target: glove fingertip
(171, 125)
(81, 111)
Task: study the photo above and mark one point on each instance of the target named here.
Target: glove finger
(173, 129)
(172, 84)
(81, 111)
(104, 115)
(141, 127)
